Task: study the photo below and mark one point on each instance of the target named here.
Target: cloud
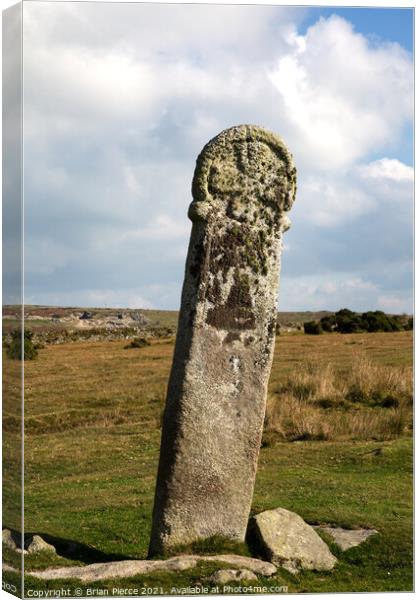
(329, 200)
(342, 196)
(327, 290)
(342, 96)
(119, 101)
(396, 304)
(123, 298)
(162, 228)
(334, 290)
(387, 168)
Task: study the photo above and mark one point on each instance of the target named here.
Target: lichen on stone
(243, 183)
(246, 158)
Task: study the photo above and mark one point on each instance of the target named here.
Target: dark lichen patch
(232, 336)
(223, 317)
(214, 293)
(237, 313)
(271, 332)
(241, 246)
(224, 253)
(240, 294)
(198, 258)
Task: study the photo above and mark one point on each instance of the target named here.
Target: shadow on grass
(69, 549)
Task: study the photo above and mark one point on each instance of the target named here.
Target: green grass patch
(92, 444)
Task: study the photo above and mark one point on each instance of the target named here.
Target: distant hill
(38, 315)
(56, 323)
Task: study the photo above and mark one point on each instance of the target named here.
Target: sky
(119, 100)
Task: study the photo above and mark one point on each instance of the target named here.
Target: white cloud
(123, 298)
(327, 291)
(342, 97)
(120, 99)
(329, 200)
(332, 291)
(396, 304)
(387, 168)
(345, 195)
(161, 228)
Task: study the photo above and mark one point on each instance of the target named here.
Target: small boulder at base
(225, 575)
(7, 539)
(37, 544)
(13, 540)
(291, 543)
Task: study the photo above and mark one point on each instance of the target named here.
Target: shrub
(139, 342)
(312, 327)
(328, 323)
(15, 348)
(348, 321)
(358, 395)
(389, 401)
(379, 321)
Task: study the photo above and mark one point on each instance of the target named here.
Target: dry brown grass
(104, 387)
(321, 402)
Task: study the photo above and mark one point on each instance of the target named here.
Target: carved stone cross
(244, 184)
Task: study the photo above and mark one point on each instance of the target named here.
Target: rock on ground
(12, 541)
(37, 544)
(7, 539)
(346, 538)
(131, 568)
(33, 545)
(291, 543)
(225, 575)
(6, 567)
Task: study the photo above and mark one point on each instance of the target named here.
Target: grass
(324, 403)
(213, 545)
(92, 418)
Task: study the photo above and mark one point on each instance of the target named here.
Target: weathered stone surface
(131, 568)
(13, 541)
(6, 567)
(291, 543)
(33, 543)
(37, 544)
(244, 184)
(225, 575)
(346, 538)
(7, 539)
(261, 567)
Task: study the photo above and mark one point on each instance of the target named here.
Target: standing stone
(243, 185)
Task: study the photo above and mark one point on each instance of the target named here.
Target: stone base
(226, 575)
(132, 568)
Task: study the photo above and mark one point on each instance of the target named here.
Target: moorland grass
(93, 413)
(321, 402)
